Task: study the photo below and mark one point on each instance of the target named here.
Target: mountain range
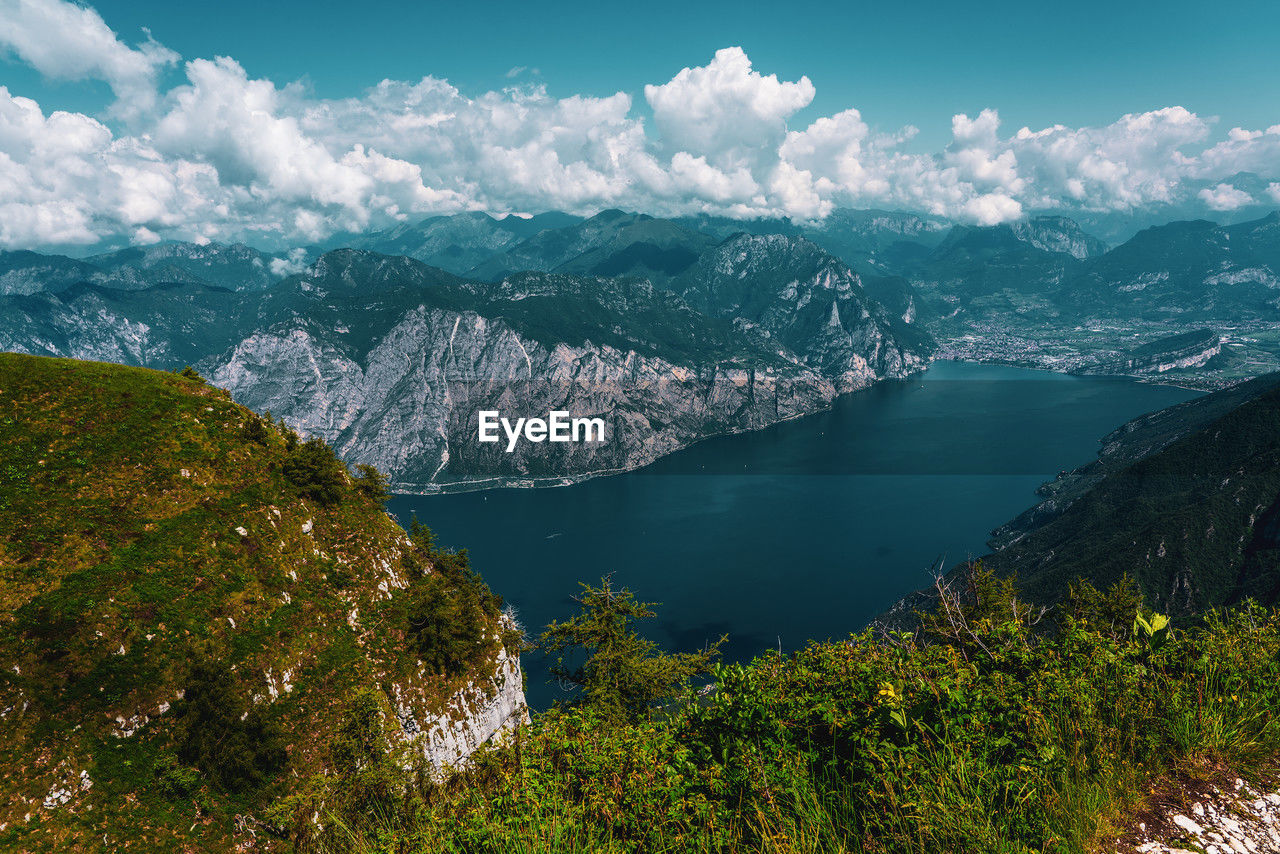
(670, 329)
(391, 359)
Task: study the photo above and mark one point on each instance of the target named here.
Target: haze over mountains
(673, 329)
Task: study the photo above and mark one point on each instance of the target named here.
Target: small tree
(1111, 612)
(236, 746)
(622, 676)
(452, 614)
(979, 611)
(372, 483)
(254, 430)
(315, 470)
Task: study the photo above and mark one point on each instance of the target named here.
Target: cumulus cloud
(224, 156)
(725, 111)
(294, 261)
(71, 42)
(1224, 197)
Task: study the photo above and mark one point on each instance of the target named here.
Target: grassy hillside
(189, 599)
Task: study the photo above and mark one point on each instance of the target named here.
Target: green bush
(451, 612)
(368, 785)
(598, 651)
(175, 780)
(1005, 732)
(254, 431)
(315, 471)
(235, 745)
(372, 483)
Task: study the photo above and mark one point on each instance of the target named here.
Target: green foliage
(123, 492)
(980, 612)
(1111, 612)
(315, 471)
(175, 780)
(335, 813)
(1153, 632)
(1199, 508)
(999, 738)
(236, 747)
(254, 430)
(621, 675)
(361, 741)
(372, 483)
(450, 611)
(190, 373)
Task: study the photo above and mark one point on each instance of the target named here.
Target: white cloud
(1224, 197)
(295, 261)
(223, 156)
(992, 209)
(727, 112)
(67, 41)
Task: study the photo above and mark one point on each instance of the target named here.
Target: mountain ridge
(167, 554)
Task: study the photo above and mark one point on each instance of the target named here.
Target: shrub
(452, 615)
(254, 430)
(372, 483)
(367, 787)
(621, 676)
(233, 744)
(175, 780)
(315, 471)
(991, 737)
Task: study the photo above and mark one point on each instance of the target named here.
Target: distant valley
(1041, 292)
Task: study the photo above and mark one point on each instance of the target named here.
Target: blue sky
(1087, 62)
(236, 147)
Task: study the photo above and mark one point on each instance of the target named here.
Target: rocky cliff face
(765, 329)
(1188, 350)
(392, 360)
(809, 302)
(1059, 234)
(476, 715)
(411, 404)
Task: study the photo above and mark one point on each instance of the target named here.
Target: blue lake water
(806, 530)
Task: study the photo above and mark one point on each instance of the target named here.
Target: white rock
(1188, 825)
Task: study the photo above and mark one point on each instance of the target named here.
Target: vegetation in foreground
(190, 595)
(1000, 727)
(151, 531)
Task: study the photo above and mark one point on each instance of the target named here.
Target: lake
(805, 530)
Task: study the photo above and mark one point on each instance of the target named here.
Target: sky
(281, 123)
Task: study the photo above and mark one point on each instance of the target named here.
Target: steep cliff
(191, 598)
(392, 360)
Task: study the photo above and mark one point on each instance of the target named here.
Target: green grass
(1002, 740)
(123, 492)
